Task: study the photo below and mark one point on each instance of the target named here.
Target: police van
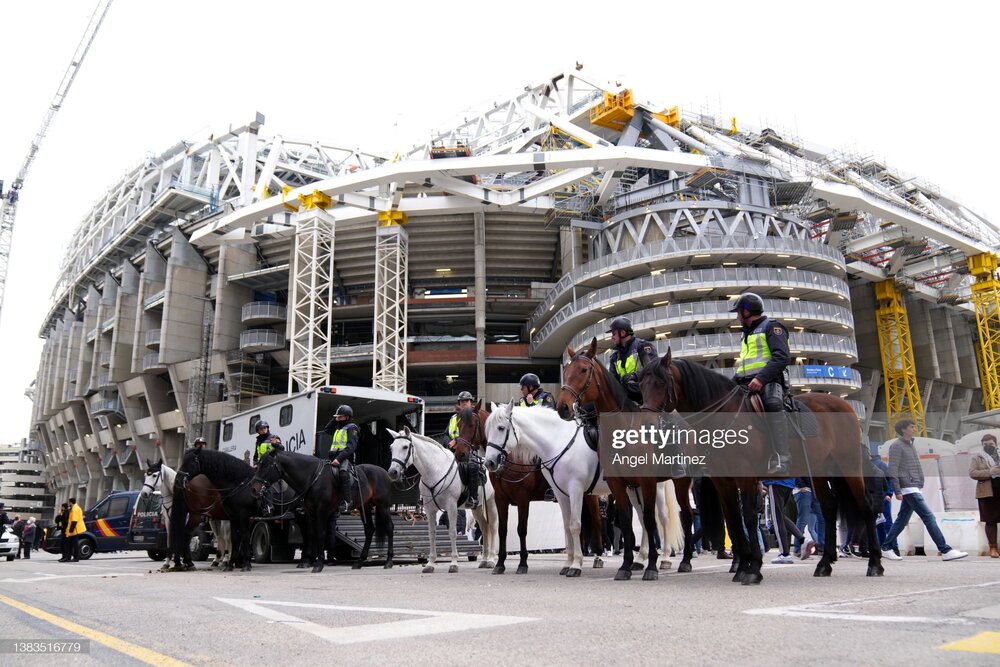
(106, 526)
(299, 421)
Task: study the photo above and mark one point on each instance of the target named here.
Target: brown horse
(584, 384)
(835, 454)
(519, 483)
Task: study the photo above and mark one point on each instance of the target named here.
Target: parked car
(106, 526)
(146, 530)
(9, 543)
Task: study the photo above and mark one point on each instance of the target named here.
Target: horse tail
(177, 531)
(673, 531)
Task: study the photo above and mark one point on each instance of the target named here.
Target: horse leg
(503, 510)
(430, 511)
(649, 493)
(663, 517)
(317, 517)
(623, 507)
(452, 535)
(828, 503)
(523, 511)
(730, 502)
(752, 546)
(681, 493)
(244, 540)
(385, 518)
(636, 501)
(564, 504)
(575, 524)
(489, 529)
(594, 507)
(369, 534)
(859, 496)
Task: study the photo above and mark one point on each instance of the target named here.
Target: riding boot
(345, 491)
(472, 502)
(779, 439)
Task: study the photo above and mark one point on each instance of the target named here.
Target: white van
(299, 421)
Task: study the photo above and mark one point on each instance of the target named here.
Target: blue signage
(839, 372)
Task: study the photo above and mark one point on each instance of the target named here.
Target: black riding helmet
(465, 396)
(344, 411)
(200, 441)
(261, 424)
(622, 323)
(530, 380)
(749, 301)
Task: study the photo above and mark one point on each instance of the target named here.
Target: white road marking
(429, 623)
(42, 576)
(829, 610)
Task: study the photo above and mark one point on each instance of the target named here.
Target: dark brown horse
(585, 384)
(518, 483)
(833, 458)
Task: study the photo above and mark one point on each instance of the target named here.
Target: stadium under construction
(239, 267)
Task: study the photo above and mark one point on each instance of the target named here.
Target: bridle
(591, 377)
(502, 448)
(152, 486)
(258, 490)
(470, 445)
(432, 489)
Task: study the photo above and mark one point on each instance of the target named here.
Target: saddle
(463, 474)
(799, 416)
(591, 434)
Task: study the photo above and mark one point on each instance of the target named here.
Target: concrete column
(151, 281)
(182, 328)
(479, 245)
(231, 297)
(569, 249)
(123, 336)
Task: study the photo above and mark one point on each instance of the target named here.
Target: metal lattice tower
(902, 394)
(389, 362)
(986, 300)
(311, 297)
(197, 403)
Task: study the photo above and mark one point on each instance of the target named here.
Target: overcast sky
(911, 83)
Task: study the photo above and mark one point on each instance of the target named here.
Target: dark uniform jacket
(776, 335)
(261, 437)
(637, 346)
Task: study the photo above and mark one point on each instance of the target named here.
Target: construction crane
(8, 199)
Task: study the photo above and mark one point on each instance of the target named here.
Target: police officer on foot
(345, 443)
(474, 472)
(628, 356)
(200, 443)
(761, 367)
(532, 393)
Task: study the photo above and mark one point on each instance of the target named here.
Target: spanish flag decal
(105, 529)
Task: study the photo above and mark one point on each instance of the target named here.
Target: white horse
(160, 478)
(571, 468)
(440, 488)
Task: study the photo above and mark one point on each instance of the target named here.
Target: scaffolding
(986, 300)
(311, 300)
(902, 394)
(391, 292)
(249, 376)
(197, 399)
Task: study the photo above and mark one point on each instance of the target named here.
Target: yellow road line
(120, 645)
(984, 642)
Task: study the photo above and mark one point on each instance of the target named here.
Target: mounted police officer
(199, 443)
(761, 367)
(345, 443)
(263, 444)
(532, 393)
(629, 356)
(474, 471)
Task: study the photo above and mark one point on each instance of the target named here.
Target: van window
(151, 502)
(117, 506)
(253, 423)
(227, 432)
(285, 416)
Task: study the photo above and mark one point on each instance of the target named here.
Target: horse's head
(269, 471)
(191, 467)
(401, 451)
(471, 437)
(151, 481)
(581, 381)
(501, 437)
(658, 386)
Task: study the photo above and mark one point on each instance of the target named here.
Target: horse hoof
(245, 568)
(563, 571)
(499, 569)
(734, 567)
(598, 564)
(317, 568)
(752, 579)
(666, 564)
(623, 575)
(485, 564)
(823, 570)
(472, 558)
(452, 569)
(573, 572)
(738, 578)
(428, 570)
(388, 565)
(356, 566)
(875, 571)
(300, 566)
(522, 569)
(215, 564)
(228, 567)
(637, 566)
(650, 575)
(684, 567)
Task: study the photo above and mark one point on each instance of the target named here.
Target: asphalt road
(131, 614)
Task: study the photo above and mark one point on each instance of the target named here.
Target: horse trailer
(299, 421)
